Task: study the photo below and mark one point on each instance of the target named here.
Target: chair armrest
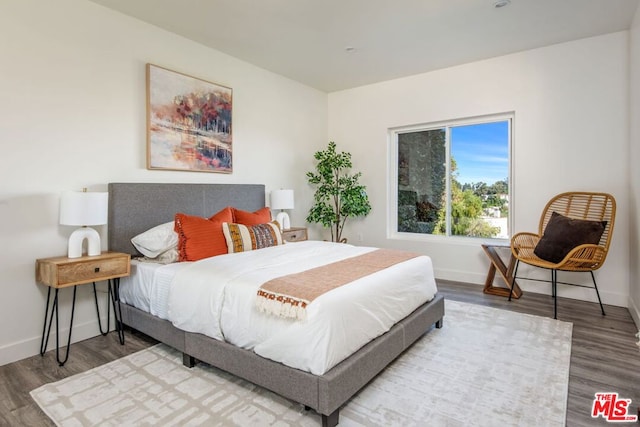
(523, 244)
(583, 258)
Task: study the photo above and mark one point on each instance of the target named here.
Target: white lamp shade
(282, 199)
(83, 208)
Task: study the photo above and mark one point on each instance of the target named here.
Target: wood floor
(604, 357)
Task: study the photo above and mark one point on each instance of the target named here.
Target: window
(453, 178)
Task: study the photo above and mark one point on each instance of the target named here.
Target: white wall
(634, 161)
(571, 133)
(72, 82)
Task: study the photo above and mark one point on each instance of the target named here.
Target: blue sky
(481, 152)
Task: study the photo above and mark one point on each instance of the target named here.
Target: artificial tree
(338, 195)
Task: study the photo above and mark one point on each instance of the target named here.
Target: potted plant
(339, 195)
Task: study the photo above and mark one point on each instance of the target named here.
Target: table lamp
(83, 209)
(282, 199)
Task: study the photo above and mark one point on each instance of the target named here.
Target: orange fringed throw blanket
(288, 296)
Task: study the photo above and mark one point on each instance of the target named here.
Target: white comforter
(216, 297)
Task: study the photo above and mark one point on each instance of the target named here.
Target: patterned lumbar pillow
(242, 238)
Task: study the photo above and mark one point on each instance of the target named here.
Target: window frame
(392, 177)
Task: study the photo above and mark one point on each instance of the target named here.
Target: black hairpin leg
(113, 300)
(45, 333)
(95, 296)
(46, 330)
(114, 293)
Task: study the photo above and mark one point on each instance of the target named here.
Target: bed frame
(136, 207)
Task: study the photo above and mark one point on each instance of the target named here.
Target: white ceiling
(306, 40)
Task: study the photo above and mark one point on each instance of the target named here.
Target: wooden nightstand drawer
(295, 234)
(62, 271)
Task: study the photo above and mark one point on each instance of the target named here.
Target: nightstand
(63, 272)
(294, 234)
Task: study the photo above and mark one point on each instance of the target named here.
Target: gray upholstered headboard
(136, 207)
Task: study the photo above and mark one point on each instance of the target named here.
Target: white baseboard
(31, 346)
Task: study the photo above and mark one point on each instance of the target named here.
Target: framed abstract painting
(188, 123)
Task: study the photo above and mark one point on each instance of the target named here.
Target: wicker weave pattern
(578, 205)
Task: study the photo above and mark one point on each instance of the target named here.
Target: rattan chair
(597, 207)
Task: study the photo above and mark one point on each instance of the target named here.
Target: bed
(137, 207)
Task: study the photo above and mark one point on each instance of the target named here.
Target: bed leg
(331, 420)
(439, 324)
(188, 361)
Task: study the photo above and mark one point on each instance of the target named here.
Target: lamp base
(283, 220)
(77, 238)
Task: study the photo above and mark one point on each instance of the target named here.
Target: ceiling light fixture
(501, 3)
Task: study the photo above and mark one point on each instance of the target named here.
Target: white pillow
(156, 240)
(168, 257)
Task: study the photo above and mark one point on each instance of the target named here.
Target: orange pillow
(261, 216)
(199, 237)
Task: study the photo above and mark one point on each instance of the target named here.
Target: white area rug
(485, 367)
